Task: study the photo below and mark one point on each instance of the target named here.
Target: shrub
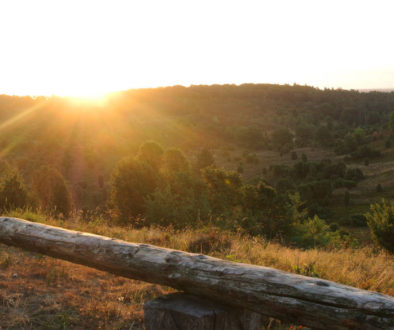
(13, 193)
(151, 153)
(51, 191)
(354, 174)
(165, 208)
(223, 188)
(204, 159)
(294, 155)
(380, 221)
(358, 220)
(314, 232)
(175, 161)
(132, 182)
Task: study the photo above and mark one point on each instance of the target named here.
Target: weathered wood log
(298, 299)
(180, 311)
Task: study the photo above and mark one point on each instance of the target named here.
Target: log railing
(293, 298)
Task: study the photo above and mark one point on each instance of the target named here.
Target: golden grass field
(39, 292)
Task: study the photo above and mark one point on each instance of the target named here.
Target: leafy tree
(281, 137)
(175, 161)
(51, 191)
(314, 232)
(359, 135)
(347, 198)
(323, 136)
(380, 221)
(151, 153)
(391, 121)
(223, 188)
(13, 193)
(294, 155)
(132, 182)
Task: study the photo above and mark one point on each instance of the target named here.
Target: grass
(39, 292)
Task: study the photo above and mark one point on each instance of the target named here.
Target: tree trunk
(292, 298)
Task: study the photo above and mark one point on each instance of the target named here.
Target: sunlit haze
(88, 48)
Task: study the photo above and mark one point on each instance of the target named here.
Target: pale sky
(83, 48)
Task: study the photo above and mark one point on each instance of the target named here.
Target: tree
(13, 193)
(174, 160)
(132, 182)
(282, 137)
(223, 188)
(380, 221)
(347, 198)
(294, 155)
(391, 121)
(51, 191)
(204, 159)
(151, 153)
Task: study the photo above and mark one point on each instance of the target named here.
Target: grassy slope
(41, 292)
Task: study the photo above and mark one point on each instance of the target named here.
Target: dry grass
(45, 293)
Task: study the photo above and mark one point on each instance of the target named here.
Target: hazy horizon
(387, 90)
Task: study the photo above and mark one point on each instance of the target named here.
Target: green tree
(380, 221)
(223, 188)
(132, 182)
(281, 137)
(151, 153)
(174, 160)
(391, 121)
(13, 193)
(51, 191)
(204, 159)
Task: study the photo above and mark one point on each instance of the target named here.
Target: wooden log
(292, 298)
(179, 311)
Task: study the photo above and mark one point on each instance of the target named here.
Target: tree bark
(292, 298)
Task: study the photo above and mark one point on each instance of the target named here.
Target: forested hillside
(244, 153)
(291, 177)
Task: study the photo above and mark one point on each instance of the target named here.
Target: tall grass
(367, 268)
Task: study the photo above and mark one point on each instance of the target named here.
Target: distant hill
(85, 141)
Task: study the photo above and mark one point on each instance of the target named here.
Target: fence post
(180, 311)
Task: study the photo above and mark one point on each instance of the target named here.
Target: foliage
(51, 191)
(132, 182)
(223, 188)
(13, 193)
(314, 232)
(281, 137)
(150, 153)
(380, 221)
(204, 159)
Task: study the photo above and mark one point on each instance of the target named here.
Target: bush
(150, 153)
(380, 221)
(358, 220)
(132, 182)
(204, 159)
(314, 232)
(166, 208)
(51, 191)
(294, 155)
(354, 174)
(13, 193)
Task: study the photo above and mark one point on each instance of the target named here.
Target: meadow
(39, 292)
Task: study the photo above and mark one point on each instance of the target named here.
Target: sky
(88, 48)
